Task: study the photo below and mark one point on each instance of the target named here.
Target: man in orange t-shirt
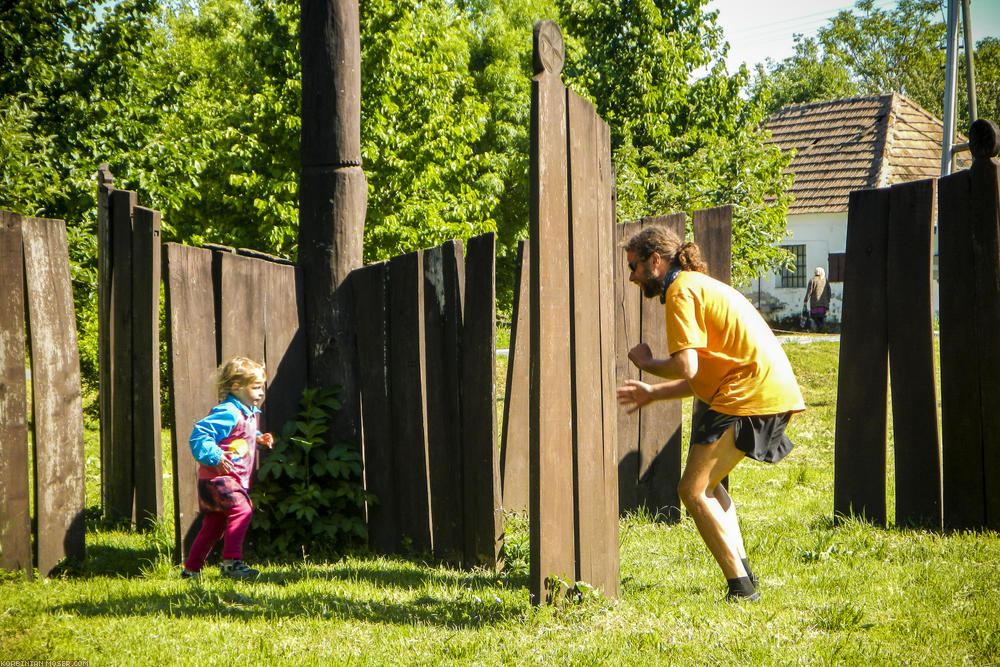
(723, 353)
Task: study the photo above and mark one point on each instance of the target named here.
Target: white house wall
(821, 234)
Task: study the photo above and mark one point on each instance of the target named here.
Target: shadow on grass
(468, 603)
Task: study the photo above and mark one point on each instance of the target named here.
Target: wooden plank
(284, 343)
(514, 442)
(964, 496)
(238, 300)
(985, 176)
(443, 280)
(120, 464)
(15, 510)
(105, 187)
(585, 303)
(191, 339)
(608, 257)
(370, 299)
(484, 523)
(55, 387)
(713, 232)
(660, 422)
(551, 417)
(147, 458)
(406, 395)
(911, 353)
(860, 445)
(628, 334)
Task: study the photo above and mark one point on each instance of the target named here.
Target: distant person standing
(818, 297)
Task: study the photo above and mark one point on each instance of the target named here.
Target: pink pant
(231, 526)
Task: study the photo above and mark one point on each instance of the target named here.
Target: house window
(837, 261)
(795, 277)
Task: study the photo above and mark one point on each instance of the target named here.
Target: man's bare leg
(707, 465)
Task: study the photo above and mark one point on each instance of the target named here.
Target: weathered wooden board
(121, 448)
(284, 343)
(713, 232)
(514, 442)
(585, 298)
(660, 422)
(860, 441)
(964, 499)
(551, 415)
(147, 457)
(239, 300)
(443, 278)
(911, 353)
(628, 333)
(409, 414)
(104, 327)
(370, 299)
(55, 388)
(191, 333)
(609, 256)
(15, 510)
(985, 175)
(481, 464)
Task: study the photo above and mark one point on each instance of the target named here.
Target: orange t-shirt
(742, 369)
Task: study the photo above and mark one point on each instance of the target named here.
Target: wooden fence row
(426, 346)
(649, 442)
(37, 294)
(129, 354)
(222, 304)
(887, 322)
(572, 469)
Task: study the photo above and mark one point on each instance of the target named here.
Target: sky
(761, 29)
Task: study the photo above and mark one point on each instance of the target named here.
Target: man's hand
(634, 394)
(640, 355)
(265, 440)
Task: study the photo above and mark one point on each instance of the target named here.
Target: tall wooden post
(332, 195)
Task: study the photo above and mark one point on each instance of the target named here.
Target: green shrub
(309, 496)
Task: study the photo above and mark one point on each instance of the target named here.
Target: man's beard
(652, 287)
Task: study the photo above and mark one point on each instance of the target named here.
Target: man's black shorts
(761, 437)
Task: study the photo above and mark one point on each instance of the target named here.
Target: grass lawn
(831, 594)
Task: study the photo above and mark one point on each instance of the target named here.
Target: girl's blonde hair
(240, 371)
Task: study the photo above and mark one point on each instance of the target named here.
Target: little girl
(225, 445)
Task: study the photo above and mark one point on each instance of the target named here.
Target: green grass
(845, 593)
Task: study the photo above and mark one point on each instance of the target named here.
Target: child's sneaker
(188, 574)
(237, 570)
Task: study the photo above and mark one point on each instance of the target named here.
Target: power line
(764, 32)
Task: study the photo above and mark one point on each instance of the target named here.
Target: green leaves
(309, 492)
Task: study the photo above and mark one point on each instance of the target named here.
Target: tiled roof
(853, 144)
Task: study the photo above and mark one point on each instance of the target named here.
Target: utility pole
(950, 80)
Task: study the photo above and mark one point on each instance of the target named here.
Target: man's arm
(682, 365)
(635, 394)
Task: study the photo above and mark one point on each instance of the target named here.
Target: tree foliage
(195, 105)
(680, 143)
(871, 50)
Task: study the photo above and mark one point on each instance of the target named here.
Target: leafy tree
(987, 65)
(873, 51)
(430, 176)
(806, 76)
(679, 143)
